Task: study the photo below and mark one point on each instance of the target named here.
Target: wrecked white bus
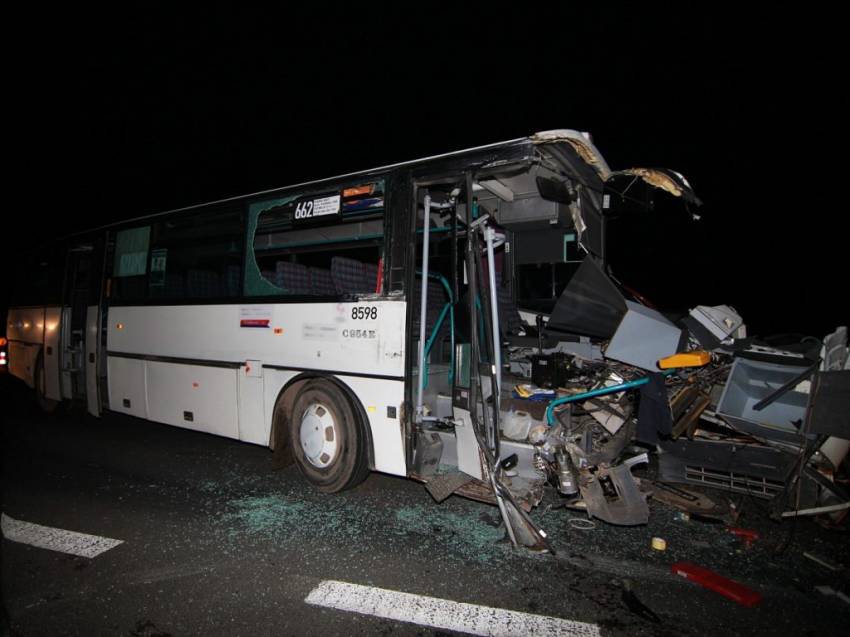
(451, 319)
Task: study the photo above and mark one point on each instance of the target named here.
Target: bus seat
(510, 322)
(294, 278)
(323, 283)
(203, 283)
(233, 276)
(370, 276)
(174, 285)
(437, 298)
(351, 277)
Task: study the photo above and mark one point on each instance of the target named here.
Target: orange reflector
(367, 189)
(2, 341)
(120, 326)
(278, 330)
(696, 358)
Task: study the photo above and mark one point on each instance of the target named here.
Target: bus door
(81, 325)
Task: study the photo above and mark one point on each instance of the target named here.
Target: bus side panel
(381, 399)
(25, 330)
(342, 337)
(66, 386)
(252, 413)
(274, 380)
(127, 391)
(194, 397)
(92, 359)
(22, 361)
(51, 353)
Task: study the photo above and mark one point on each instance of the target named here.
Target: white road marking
(47, 537)
(442, 613)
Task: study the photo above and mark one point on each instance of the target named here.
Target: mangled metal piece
(521, 530)
(445, 484)
(642, 337)
(664, 179)
(628, 507)
(711, 325)
(581, 143)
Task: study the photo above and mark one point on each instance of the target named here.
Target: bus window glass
(195, 257)
(324, 244)
(129, 269)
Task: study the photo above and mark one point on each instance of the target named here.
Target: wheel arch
(281, 416)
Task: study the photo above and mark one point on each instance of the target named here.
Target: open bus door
(81, 325)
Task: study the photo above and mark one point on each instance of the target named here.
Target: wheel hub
(318, 435)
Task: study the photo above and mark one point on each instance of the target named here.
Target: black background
(115, 113)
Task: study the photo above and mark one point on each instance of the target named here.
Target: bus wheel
(45, 404)
(327, 438)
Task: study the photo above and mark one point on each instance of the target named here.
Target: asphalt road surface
(215, 542)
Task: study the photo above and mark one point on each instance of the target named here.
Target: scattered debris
(691, 503)
(636, 606)
(445, 484)
(822, 561)
(581, 524)
(659, 544)
(717, 583)
(829, 591)
(747, 535)
(567, 388)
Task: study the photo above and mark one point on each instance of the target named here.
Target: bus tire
(327, 439)
(45, 404)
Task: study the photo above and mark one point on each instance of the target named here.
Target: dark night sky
(121, 114)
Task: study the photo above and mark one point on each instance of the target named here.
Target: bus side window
(197, 257)
(129, 268)
(325, 244)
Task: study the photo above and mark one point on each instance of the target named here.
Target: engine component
(566, 473)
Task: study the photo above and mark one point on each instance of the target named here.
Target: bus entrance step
(443, 485)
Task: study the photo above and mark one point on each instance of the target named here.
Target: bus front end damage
(562, 404)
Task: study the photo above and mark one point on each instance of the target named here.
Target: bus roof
(312, 182)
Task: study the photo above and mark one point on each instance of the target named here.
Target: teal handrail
(449, 309)
(602, 391)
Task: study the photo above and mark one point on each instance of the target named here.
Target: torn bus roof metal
(663, 178)
(581, 144)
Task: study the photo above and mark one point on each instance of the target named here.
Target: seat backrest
(353, 277)
(203, 283)
(294, 278)
(510, 322)
(370, 277)
(174, 286)
(232, 277)
(437, 298)
(323, 283)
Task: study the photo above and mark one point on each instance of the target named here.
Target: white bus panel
(127, 391)
(194, 397)
(92, 360)
(252, 352)
(51, 353)
(252, 413)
